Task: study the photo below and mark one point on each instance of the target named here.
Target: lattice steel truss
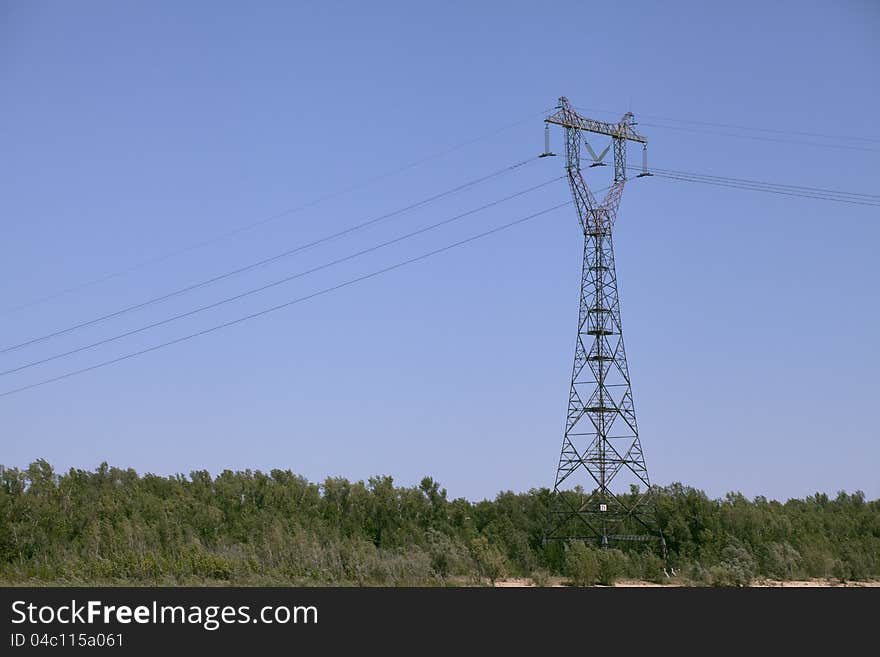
(601, 437)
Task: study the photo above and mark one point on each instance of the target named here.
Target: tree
(113, 526)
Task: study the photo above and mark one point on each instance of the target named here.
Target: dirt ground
(761, 583)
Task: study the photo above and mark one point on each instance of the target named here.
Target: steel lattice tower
(601, 437)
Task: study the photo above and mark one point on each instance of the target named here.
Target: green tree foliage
(581, 564)
(115, 526)
(488, 558)
(587, 565)
(613, 564)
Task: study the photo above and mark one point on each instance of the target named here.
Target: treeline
(113, 526)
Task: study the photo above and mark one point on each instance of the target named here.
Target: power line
(287, 304)
(819, 193)
(858, 195)
(278, 282)
(772, 188)
(771, 130)
(761, 138)
(274, 258)
(758, 189)
(247, 227)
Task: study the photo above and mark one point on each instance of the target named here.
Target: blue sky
(751, 320)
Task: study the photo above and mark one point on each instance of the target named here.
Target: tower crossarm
(567, 117)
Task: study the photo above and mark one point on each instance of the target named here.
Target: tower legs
(602, 490)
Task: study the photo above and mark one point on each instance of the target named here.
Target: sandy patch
(520, 582)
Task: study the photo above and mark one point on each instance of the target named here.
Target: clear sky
(130, 130)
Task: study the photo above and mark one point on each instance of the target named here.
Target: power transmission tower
(601, 435)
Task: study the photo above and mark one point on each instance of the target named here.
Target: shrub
(648, 566)
(448, 556)
(737, 568)
(540, 577)
(613, 564)
(581, 564)
(781, 561)
(490, 562)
